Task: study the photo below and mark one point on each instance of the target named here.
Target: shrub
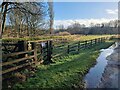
(64, 33)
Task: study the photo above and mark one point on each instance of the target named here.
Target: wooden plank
(41, 40)
(38, 54)
(82, 46)
(14, 49)
(58, 46)
(91, 44)
(54, 56)
(16, 53)
(78, 46)
(15, 68)
(35, 53)
(68, 49)
(75, 43)
(71, 50)
(9, 44)
(62, 47)
(60, 50)
(82, 42)
(85, 44)
(15, 61)
(73, 46)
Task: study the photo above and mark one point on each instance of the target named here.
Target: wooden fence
(23, 53)
(62, 50)
(84, 44)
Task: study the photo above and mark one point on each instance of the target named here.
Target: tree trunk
(3, 18)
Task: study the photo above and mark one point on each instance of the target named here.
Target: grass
(69, 37)
(66, 72)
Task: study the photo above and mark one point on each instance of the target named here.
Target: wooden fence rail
(84, 44)
(77, 46)
(23, 55)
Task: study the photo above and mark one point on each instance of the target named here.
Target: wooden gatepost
(49, 52)
(42, 51)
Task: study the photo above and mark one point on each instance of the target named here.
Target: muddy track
(106, 73)
(111, 76)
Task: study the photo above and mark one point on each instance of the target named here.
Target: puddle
(94, 75)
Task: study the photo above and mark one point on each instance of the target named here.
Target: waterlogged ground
(111, 75)
(105, 73)
(95, 74)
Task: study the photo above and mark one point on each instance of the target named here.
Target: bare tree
(17, 21)
(51, 14)
(3, 7)
(6, 7)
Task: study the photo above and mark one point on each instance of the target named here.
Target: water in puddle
(94, 75)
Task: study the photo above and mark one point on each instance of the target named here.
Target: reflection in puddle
(94, 75)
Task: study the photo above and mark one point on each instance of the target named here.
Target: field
(69, 37)
(66, 71)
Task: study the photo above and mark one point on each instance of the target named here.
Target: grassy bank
(67, 72)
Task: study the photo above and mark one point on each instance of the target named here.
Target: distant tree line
(103, 28)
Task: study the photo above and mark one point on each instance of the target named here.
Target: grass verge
(67, 72)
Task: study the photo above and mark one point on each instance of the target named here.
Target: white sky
(87, 22)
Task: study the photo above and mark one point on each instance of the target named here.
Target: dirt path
(111, 75)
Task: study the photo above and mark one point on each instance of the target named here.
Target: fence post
(21, 47)
(95, 41)
(68, 49)
(78, 46)
(25, 46)
(101, 40)
(85, 44)
(49, 51)
(35, 52)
